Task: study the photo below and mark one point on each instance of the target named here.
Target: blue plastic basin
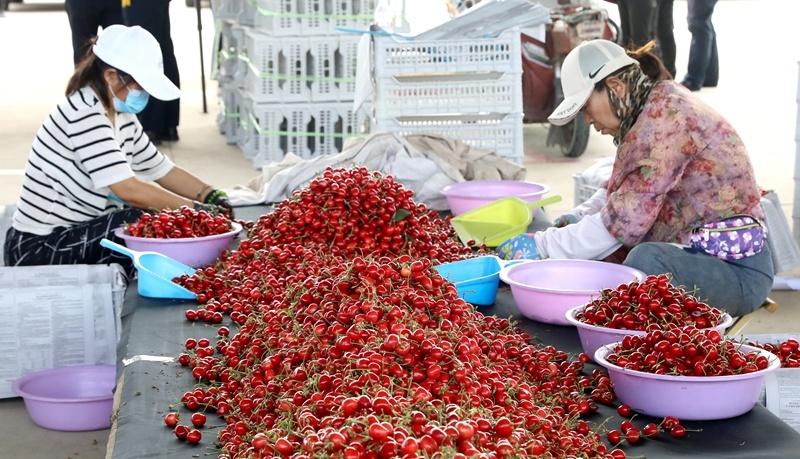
(476, 279)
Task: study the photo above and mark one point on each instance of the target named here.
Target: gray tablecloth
(156, 329)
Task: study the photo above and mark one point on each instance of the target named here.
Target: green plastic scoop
(497, 221)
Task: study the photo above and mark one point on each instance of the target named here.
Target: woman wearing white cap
(679, 167)
(90, 156)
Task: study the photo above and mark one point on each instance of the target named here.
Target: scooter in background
(572, 22)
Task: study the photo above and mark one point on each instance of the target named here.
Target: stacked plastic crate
(468, 89)
(226, 69)
(287, 75)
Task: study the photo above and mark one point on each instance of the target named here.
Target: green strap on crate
(217, 40)
(243, 123)
(280, 76)
(223, 110)
(260, 131)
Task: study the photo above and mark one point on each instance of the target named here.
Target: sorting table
(151, 382)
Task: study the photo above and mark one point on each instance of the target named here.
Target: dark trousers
(637, 21)
(153, 15)
(665, 35)
(703, 58)
(85, 16)
(76, 245)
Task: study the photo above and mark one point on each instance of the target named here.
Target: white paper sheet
(786, 283)
(58, 316)
(781, 392)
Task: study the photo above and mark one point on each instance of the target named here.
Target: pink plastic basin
(544, 290)
(690, 398)
(196, 252)
(593, 337)
(465, 196)
(75, 398)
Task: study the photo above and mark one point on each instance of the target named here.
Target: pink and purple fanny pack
(734, 238)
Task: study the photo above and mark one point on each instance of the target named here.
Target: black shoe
(155, 139)
(171, 135)
(690, 86)
(709, 85)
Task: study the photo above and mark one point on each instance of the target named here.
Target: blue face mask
(134, 102)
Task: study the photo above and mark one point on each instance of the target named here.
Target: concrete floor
(757, 92)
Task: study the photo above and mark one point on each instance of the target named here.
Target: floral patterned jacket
(680, 166)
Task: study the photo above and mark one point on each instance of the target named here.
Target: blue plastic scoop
(156, 272)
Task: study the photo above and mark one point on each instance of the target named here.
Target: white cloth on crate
(423, 163)
(364, 88)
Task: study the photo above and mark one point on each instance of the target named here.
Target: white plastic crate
(322, 70)
(277, 68)
(230, 103)
(352, 14)
(583, 189)
(307, 130)
(226, 9)
(588, 181)
(277, 17)
(248, 12)
(239, 67)
(248, 135)
(494, 132)
(284, 18)
(299, 69)
(222, 109)
(227, 61)
(314, 16)
(397, 56)
(347, 65)
(457, 93)
(333, 67)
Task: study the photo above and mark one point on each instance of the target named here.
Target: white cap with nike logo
(584, 66)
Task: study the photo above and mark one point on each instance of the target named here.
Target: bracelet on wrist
(200, 193)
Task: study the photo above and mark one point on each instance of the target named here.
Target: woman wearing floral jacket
(679, 165)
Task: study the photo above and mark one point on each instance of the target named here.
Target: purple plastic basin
(465, 196)
(544, 290)
(593, 337)
(196, 252)
(690, 398)
(75, 398)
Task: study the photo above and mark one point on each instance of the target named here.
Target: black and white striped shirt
(76, 155)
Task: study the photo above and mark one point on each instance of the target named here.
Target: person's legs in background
(703, 68)
(84, 18)
(666, 37)
(83, 25)
(737, 286)
(110, 12)
(624, 21)
(637, 21)
(160, 118)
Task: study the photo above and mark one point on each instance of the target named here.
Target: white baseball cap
(584, 66)
(136, 52)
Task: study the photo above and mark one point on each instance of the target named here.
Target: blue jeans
(737, 286)
(703, 58)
